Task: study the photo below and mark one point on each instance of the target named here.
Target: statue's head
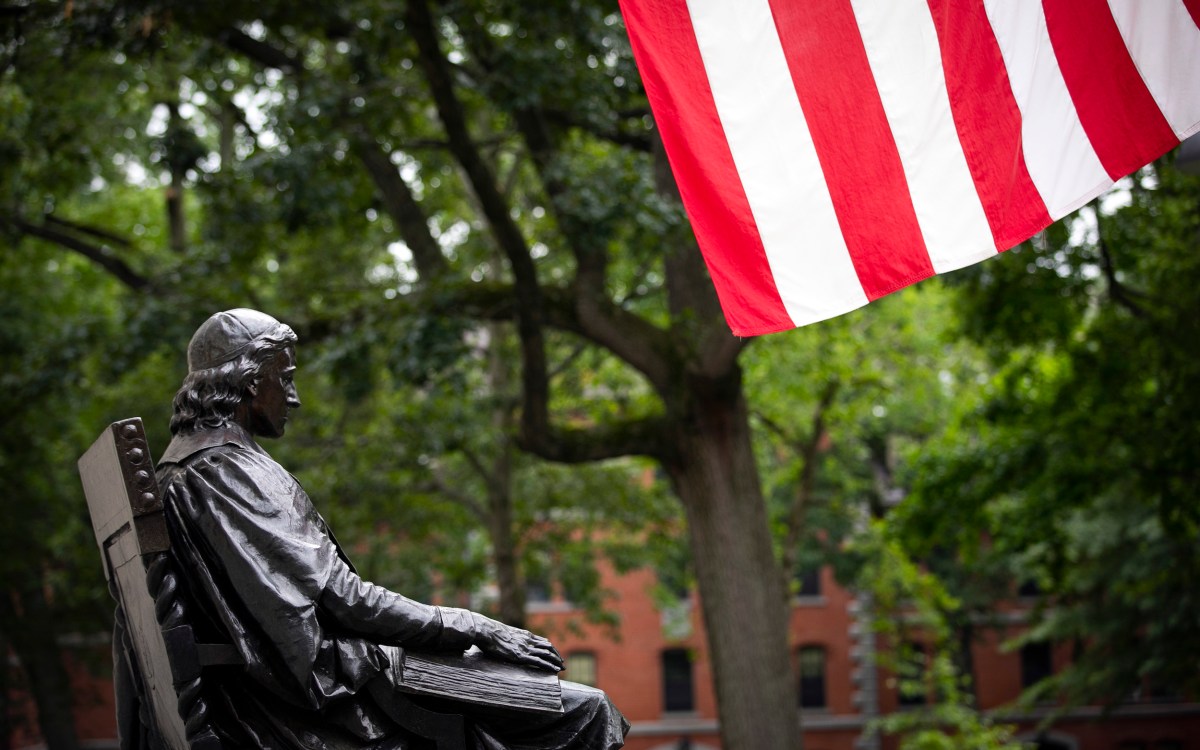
(240, 365)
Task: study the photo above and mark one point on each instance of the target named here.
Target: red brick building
(658, 672)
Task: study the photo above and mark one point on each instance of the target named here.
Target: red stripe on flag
(1117, 111)
(1193, 7)
(854, 143)
(988, 121)
(665, 49)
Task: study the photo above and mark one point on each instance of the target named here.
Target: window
(1046, 743)
(912, 677)
(1160, 692)
(1036, 663)
(537, 581)
(536, 592)
(677, 680)
(1051, 741)
(810, 581)
(581, 668)
(1029, 588)
(812, 676)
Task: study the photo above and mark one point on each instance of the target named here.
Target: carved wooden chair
(152, 619)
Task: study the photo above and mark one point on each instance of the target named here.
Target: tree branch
(259, 51)
(808, 450)
(441, 487)
(401, 205)
(466, 151)
(1117, 291)
(535, 385)
(643, 142)
(600, 319)
(398, 200)
(476, 464)
(101, 255)
(96, 232)
(567, 361)
(638, 437)
(629, 336)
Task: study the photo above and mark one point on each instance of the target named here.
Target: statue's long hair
(209, 398)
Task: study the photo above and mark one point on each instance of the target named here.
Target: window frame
(808, 685)
(593, 667)
(676, 682)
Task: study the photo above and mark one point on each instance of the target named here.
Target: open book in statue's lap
(263, 571)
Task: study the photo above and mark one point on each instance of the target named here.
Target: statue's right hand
(516, 645)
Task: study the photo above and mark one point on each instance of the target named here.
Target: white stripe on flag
(906, 61)
(1164, 43)
(1060, 158)
(775, 158)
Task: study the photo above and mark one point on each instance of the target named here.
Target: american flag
(830, 152)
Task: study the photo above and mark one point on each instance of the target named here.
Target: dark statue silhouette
(259, 569)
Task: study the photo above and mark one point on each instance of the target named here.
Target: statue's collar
(188, 444)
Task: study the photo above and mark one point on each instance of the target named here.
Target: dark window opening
(538, 588)
(677, 680)
(1160, 692)
(810, 582)
(1036, 663)
(1029, 588)
(912, 674)
(1044, 743)
(812, 677)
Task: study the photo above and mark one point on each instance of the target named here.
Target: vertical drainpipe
(864, 676)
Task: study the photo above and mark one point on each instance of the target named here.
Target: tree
(47, 588)
(842, 409)
(913, 613)
(845, 410)
(470, 131)
(1076, 469)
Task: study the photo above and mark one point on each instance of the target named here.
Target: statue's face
(274, 396)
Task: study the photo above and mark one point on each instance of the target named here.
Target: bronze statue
(263, 571)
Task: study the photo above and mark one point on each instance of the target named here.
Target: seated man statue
(263, 570)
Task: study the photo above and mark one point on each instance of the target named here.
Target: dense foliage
(462, 208)
(1075, 471)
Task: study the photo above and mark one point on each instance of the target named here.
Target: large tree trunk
(176, 224)
(505, 551)
(511, 605)
(37, 648)
(743, 606)
(6, 723)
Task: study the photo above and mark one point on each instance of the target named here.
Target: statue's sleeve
(287, 572)
(247, 543)
(362, 607)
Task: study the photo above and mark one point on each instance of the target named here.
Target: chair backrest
(131, 530)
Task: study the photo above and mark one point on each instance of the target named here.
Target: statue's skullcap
(228, 334)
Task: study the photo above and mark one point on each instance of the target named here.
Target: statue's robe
(263, 571)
